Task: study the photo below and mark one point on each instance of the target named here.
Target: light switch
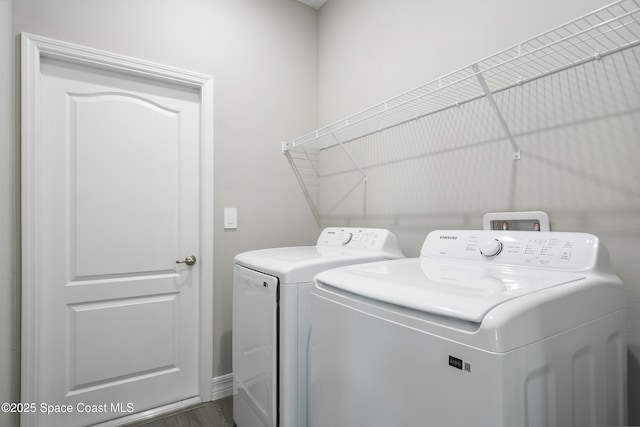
(230, 218)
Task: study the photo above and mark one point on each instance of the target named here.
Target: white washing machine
(486, 328)
(271, 320)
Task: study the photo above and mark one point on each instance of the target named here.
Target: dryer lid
(301, 263)
(465, 291)
(336, 246)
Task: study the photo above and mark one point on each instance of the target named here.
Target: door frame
(34, 48)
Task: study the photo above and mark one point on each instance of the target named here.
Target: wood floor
(209, 414)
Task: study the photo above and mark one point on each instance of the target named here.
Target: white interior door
(117, 196)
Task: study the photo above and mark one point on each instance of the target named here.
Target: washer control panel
(568, 251)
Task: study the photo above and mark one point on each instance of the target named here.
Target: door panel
(114, 198)
(119, 202)
(97, 329)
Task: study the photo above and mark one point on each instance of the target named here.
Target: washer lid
(466, 291)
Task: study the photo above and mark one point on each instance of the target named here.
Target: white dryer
(486, 328)
(271, 320)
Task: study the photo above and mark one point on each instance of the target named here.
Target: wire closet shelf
(602, 32)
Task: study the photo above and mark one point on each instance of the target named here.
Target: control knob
(347, 238)
(491, 247)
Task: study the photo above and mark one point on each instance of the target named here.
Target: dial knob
(347, 238)
(491, 247)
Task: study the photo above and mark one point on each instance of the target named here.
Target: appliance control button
(347, 238)
(491, 247)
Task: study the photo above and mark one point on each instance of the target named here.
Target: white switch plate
(230, 218)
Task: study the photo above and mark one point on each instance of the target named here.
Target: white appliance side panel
(287, 377)
(366, 370)
(304, 331)
(254, 348)
(577, 378)
(294, 326)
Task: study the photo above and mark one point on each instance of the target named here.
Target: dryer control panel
(377, 239)
(558, 250)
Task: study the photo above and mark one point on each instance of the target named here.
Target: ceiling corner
(316, 4)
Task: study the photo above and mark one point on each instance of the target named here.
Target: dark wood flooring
(209, 414)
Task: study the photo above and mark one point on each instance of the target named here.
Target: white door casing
(117, 184)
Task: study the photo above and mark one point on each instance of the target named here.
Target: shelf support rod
(364, 175)
(496, 110)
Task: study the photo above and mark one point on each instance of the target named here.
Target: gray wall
(578, 130)
(263, 58)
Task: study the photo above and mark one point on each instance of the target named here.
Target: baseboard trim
(222, 386)
(151, 413)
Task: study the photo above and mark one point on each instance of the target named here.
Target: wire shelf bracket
(353, 160)
(496, 110)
